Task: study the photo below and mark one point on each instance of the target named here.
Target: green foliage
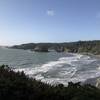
(18, 86)
(74, 47)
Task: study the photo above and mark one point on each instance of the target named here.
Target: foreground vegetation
(74, 47)
(18, 86)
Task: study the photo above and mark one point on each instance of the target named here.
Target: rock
(60, 49)
(98, 83)
(41, 49)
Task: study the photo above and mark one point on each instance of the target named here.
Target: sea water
(52, 67)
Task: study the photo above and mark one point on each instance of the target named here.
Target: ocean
(52, 67)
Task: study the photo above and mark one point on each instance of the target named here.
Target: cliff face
(73, 47)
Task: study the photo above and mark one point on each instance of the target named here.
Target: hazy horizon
(35, 21)
(44, 42)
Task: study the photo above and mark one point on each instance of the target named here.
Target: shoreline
(93, 81)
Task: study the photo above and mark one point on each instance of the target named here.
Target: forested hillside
(74, 47)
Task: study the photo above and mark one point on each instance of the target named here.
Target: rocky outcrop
(73, 47)
(98, 83)
(60, 49)
(41, 49)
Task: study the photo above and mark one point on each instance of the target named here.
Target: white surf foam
(65, 74)
(84, 76)
(99, 67)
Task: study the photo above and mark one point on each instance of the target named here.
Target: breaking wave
(74, 68)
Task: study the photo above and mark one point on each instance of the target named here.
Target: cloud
(50, 12)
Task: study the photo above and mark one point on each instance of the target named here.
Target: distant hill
(74, 47)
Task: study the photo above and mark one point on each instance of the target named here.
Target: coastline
(93, 81)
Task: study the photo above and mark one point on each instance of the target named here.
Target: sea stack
(41, 49)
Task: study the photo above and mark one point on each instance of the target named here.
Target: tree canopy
(18, 86)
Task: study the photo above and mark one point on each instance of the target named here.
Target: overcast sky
(24, 21)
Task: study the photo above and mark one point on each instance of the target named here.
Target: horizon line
(1, 45)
